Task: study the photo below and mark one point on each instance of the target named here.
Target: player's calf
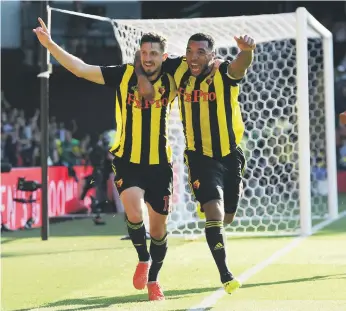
(158, 234)
(133, 200)
(228, 219)
(158, 250)
(215, 238)
(158, 245)
(137, 234)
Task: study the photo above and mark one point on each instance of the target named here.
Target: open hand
(245, 43)
(42, 33)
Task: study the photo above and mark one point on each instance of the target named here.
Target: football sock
(215, 239)
(158, 250)
(138, 237)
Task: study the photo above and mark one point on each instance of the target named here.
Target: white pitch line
(215, 296)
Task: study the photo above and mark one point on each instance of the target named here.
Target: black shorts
(212, 179)
(155, 180)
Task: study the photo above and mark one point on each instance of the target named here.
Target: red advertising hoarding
(63, 192)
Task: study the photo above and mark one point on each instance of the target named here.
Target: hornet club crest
(162, 90)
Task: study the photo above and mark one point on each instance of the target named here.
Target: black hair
(203, 37)
(154, 38)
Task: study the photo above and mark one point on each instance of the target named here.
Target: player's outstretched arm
(237, 68)
(70, 62)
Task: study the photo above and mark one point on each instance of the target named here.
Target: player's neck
(207, 71)
(154, 77)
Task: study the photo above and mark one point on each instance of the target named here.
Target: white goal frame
(303, 20)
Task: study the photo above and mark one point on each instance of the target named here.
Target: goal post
(330, 114)
(303, 121)
(287, 103)
(304, 19)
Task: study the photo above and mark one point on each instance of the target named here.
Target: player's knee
(134, 217)
(133, 201)
(157, 231)
(228, 219)
(214, 210)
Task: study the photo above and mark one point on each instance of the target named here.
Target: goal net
(279, 187)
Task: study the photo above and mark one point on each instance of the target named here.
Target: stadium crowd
(20, 139)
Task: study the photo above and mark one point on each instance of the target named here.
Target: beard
(150, 73)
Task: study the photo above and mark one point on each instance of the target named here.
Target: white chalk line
(218, 294)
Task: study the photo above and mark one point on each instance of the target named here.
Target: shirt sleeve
(112, 75)
(224, 72)
(171, 64)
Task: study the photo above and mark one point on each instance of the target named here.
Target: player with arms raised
(213, 128)
(142, 155)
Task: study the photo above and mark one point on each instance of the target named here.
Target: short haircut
(154, 38)
(203, 37)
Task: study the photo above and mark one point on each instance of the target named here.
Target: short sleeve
(171, 64)
(112, 75)
(224, 72)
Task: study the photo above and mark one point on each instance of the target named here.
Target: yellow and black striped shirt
(141, 125)
(209, 108)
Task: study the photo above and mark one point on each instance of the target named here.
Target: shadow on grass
(6, 240)
(115, 225)
(19, 254)
(93, 303)
(314, 278)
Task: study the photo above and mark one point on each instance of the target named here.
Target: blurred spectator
(7, 127)
(20, 139)
(341, 146)
(342, 153)
(5, 105)
(61, 131)
(11, 149)
(69, 152)
(85, 147)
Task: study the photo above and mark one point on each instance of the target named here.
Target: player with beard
(213, 128)
(142, 156)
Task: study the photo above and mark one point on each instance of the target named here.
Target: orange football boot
(155, 291)
(140, 278)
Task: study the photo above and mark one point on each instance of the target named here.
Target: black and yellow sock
(158, 250)
(215, 239)
(138, 237)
